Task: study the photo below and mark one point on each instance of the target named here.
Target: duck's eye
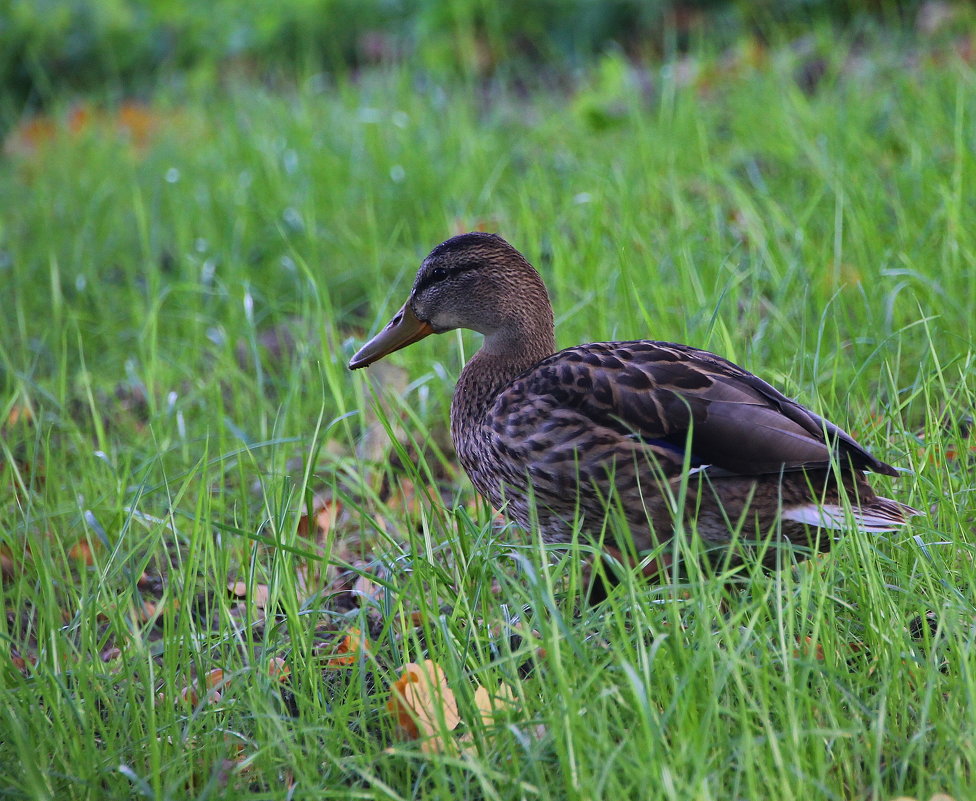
(438, 274)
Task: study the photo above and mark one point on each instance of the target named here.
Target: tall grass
(822, 240)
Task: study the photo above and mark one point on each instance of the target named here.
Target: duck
(656, 437)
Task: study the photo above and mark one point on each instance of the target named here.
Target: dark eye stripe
(442, 273)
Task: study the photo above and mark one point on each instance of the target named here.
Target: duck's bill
(404, 329)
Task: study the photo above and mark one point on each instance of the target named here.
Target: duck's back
(627, 420)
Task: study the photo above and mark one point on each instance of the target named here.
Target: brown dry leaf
(136, 122)
(146, 612)
(936, 797)
(405, 499)
(19, 414)
(490, 705)
(410, 620)
(7, 564)
(82, 552)
(211, 680)
(23, 664)
(140, 611)
(815, 650)
(259, 596)
(364, 587)
(25, 139)
(423, 703)
(146, 582)
(349, 648)
(214, 677)
(190, 695)
(325, 514)
(809, 648)
(278, 669)
(110, 653)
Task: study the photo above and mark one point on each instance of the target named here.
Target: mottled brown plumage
(555, 439)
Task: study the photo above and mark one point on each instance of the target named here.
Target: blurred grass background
(124, 46)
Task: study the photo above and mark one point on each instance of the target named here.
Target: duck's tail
(876, 516)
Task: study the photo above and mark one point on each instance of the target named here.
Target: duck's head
(476, 281)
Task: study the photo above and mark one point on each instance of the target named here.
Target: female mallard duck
(556, 439)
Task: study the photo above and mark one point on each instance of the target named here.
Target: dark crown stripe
(463, 242)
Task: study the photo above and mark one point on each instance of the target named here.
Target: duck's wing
(669, 397)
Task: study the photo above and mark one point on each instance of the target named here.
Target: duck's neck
(504, 355)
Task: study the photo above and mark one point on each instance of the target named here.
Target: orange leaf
(138, 121)
(20, 413)
(81, 551)
(278, 669)
(810, 649)
(147, 612)
(422, 702)
(210, 680)
(405, 499)
(213, 678)
(348, 648)
(325, 513)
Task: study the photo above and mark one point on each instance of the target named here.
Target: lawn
(220, 547)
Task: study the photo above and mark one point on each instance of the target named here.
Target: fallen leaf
(278, 669)
(367, 589)
(809, 648)
(7, 565)
(815, 650)
(22, 664)
(211, 681)
(423, 704)
(19, 414)
(404, 500)
(138, 122)
(110, 653)
(348, 649)
(190, 695)
(81, 551)
(146, 612)
(936, 797)
(25, 139)
(325, 514)
(491, 705)
(135, 122)
(259, 594)
(214, 677)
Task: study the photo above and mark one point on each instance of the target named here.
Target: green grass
(825, 241)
